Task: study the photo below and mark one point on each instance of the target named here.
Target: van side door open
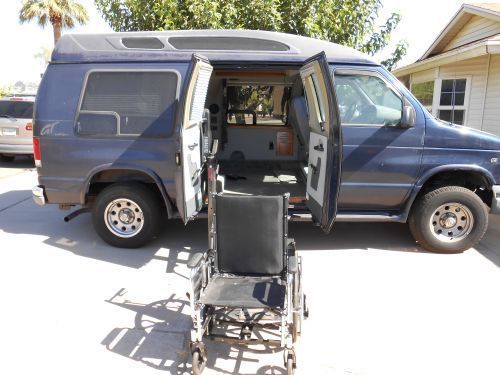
(325, 141)
(189, 161)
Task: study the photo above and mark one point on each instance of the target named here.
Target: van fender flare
(442, 168)
(147, 171)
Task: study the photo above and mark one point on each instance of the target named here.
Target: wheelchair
(249, 278)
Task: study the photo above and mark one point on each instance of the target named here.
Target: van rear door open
(325, 141)
(189, 160)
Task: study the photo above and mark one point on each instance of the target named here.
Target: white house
(458, 77)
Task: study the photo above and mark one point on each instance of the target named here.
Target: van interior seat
(299, 119)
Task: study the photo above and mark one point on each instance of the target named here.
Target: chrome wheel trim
(124, 218)
(451, 222)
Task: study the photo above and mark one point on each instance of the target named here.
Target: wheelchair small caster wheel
(290, 365)
(198, 362)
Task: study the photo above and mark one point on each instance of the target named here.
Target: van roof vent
(223, 43)
(143, 43)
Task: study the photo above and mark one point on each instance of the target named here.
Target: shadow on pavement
(20, 162)
(160, 339)
(489, 246)
(345, 236)
(13, 198)
(20, 215)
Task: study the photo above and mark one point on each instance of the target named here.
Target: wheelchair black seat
(249, 292)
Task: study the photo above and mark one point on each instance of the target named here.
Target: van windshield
(16, 109)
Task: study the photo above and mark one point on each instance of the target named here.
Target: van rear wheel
(127, 215)
(450, 219)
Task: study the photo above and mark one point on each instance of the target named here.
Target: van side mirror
(409, 116)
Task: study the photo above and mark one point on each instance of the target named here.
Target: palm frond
(41, 10)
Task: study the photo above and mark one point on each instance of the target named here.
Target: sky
(422, 21)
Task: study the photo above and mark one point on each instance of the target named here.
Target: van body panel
(69, 159)
(381, 163)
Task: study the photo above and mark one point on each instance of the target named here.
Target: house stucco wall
(491, 119)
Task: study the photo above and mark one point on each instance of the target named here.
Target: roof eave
(455, 55)
(464, 9)
(443, 32)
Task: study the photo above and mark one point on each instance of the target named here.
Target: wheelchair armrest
(195, 260)
(292, 258)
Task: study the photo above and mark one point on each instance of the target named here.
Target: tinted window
(452, 92)
(224, 43)
(366, 99)
(142, 102)
(454, 116)
(16, 109)
(143, 43)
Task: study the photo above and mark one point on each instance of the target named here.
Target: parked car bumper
(495, 202)
(39, 195)
(19, 149)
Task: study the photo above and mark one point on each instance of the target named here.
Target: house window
(452, 100)
(424, 92)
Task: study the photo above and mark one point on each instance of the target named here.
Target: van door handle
(192, 147)
(313, 168)
(319, 148)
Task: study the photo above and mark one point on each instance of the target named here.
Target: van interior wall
(261, 159)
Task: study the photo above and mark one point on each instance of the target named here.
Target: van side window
(128, 103)
(367, 100)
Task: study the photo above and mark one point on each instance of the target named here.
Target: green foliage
(5, 90)
(348, 22)
(397, 55)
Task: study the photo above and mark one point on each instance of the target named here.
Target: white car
(16, 127)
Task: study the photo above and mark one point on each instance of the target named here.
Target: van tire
(429, 217)
(145, 213)
(7, 158)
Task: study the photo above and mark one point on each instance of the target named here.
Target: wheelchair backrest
(251, 234)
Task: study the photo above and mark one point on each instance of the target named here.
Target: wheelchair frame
(287, 321)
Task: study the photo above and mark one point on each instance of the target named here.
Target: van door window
(367, 100)
(128, 103)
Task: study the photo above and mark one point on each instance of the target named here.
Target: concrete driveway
(379, 304)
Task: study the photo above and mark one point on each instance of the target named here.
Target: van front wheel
(450, 219)
(127, 215)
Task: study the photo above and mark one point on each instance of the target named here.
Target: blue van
(124, 121)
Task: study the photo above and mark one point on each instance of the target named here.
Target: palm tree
(60, 13)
